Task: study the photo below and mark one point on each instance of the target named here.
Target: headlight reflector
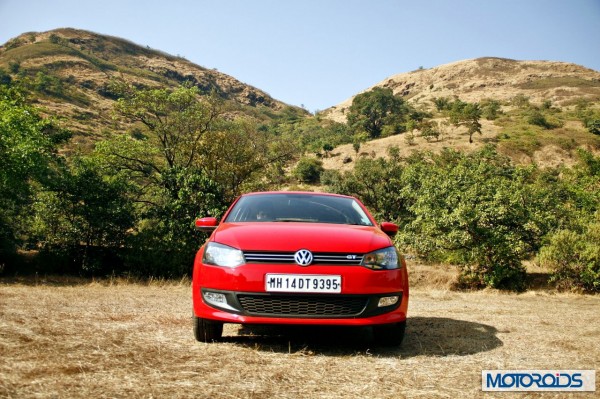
(222, 255)
(383, 259)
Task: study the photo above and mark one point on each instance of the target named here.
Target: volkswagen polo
(299, 258)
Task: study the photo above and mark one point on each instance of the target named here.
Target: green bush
(574, 258)
(27, 158)
(593, 125)
(538, 119)
(490, 109)
(5, 78)
(82, 211)
(48, 84)
(308, 170)
(430, 130)
(475, 210)
(442, 103)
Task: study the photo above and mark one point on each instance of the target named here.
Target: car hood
(290, 237)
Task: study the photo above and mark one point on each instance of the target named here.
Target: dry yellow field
(113, 338)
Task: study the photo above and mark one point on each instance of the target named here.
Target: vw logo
(303, 257)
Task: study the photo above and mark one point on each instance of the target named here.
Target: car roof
(296, 193)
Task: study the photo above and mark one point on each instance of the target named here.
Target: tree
(176, 120)
(571, 250)
(357, 140)
(237, 156)
(430, 130)
(467, 115)
(167, 166)
(82, 210)
(28, 146)
(308, 134)
(373, 110)
(187, 158)
(308, 170)
(187, 132)
(476, 210)
(376, 182)
(165, 239)
(574, 257)
(490, 109)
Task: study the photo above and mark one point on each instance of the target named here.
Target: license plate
(307, 283)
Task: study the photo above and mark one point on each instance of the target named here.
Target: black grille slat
(288, 258)
(302, 306)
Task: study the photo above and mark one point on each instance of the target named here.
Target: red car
(299, 258)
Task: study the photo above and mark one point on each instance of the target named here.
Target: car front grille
(302, 306)
(318, 258)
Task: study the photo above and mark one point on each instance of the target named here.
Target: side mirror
(389, 228)
(206, 224)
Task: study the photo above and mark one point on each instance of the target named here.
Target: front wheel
(389, 334)
(207, 330)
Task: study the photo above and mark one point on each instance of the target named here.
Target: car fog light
(387, 301)
(215, 298)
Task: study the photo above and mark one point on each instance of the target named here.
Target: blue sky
(317, 53)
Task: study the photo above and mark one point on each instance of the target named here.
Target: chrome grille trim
(318, 258)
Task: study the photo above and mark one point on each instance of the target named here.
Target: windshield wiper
(296, 220)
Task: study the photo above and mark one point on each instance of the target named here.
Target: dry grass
(120, 338)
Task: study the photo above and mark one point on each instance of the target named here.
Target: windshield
(298, 208)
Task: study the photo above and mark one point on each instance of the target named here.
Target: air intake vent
(302, 306)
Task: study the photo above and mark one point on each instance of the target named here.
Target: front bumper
(300, 305)
(242, 297)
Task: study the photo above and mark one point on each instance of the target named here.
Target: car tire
(389, 334)
(207, 330)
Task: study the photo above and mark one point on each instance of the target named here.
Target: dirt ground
(63, 338)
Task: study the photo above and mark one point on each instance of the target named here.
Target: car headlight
(383, 259)
(222, 255)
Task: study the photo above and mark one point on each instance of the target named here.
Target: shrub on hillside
(490, 109)
(308, 170)
(593, 126)
(380, 112)
(574, 258)
(537, 118)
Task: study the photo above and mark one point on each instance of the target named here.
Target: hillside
(558, 86)
(490, 78)
(72, 70)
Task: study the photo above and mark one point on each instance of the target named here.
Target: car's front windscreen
(298, 208)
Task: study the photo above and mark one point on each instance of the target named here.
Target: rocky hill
(72, 69)
(492, 78)
(561, 85)
(70, 72)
